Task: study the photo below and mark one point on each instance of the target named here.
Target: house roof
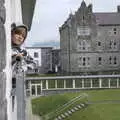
(28, 7)
(107, 18)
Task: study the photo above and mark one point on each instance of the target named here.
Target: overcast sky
(49, 15)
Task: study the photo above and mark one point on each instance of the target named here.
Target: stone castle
(90, 42)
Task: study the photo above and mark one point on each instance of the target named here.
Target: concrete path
(104, 102)
(29, 115)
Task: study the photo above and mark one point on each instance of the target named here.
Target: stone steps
(71, 111)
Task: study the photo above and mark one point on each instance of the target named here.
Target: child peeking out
(18, 36)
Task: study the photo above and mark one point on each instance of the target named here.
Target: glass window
(99, 43)
(115, 31)
(110, 60)
(36, 54)
(115, 60)
(99, 60)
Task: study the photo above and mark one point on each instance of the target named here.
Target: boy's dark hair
(15, 26)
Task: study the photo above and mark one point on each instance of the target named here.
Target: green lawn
(44, 105)
(97, 111)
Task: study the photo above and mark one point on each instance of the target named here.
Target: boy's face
(18, 36)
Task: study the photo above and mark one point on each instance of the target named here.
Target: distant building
(90, 42)
(43, 57)
(56, 60)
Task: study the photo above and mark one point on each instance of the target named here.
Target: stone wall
(3, 102)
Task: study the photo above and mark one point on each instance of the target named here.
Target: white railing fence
(36, 86)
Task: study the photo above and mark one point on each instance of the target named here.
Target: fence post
(100, 83)
(91, 83)
(82, 83)
(73, 83)
(109, 80)
(64, 84)
(117, 82)
(56, 84)
(47, 84)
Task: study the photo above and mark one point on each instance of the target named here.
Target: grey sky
(51, 14)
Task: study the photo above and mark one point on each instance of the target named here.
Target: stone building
(56, 60)
(90, 42)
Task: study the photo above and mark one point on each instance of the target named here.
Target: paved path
(104, 102)
(29, 114)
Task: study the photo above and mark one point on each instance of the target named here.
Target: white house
(10, 11)
(42, 56)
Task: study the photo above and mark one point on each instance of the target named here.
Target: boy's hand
(19, 56)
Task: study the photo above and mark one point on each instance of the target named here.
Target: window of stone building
(110, 45)
(110, 60)
(84, 44)
(113, 44)
(83, 17)
(88, 60)
(99, 43)
(79, 61)
(115, 31)
(115, 60)
(99, 60)
(13, 103)
(36, 54)
(84, 61)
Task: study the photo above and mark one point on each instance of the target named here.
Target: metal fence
(36, 86)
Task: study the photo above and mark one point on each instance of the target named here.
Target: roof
(28, 7)
(107, 18)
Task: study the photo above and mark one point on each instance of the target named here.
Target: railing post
(56, 84)
(109, 80)
(74, 83)
(82, 83)
(64, 84)
(36, 90)
(41, 86)
(100, 83)
(117, 82)
(47, 84)
(91, 83)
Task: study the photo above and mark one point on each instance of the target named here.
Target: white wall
(16, 11)
(13, 14)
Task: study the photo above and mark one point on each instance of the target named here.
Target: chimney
(118, 8)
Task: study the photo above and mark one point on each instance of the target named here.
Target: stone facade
(90, 42)
(56, 60)
(3, 101)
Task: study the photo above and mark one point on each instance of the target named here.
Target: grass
(97, 111)
(100, 111)
(44, 105)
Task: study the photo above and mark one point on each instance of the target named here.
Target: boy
(18, 36)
